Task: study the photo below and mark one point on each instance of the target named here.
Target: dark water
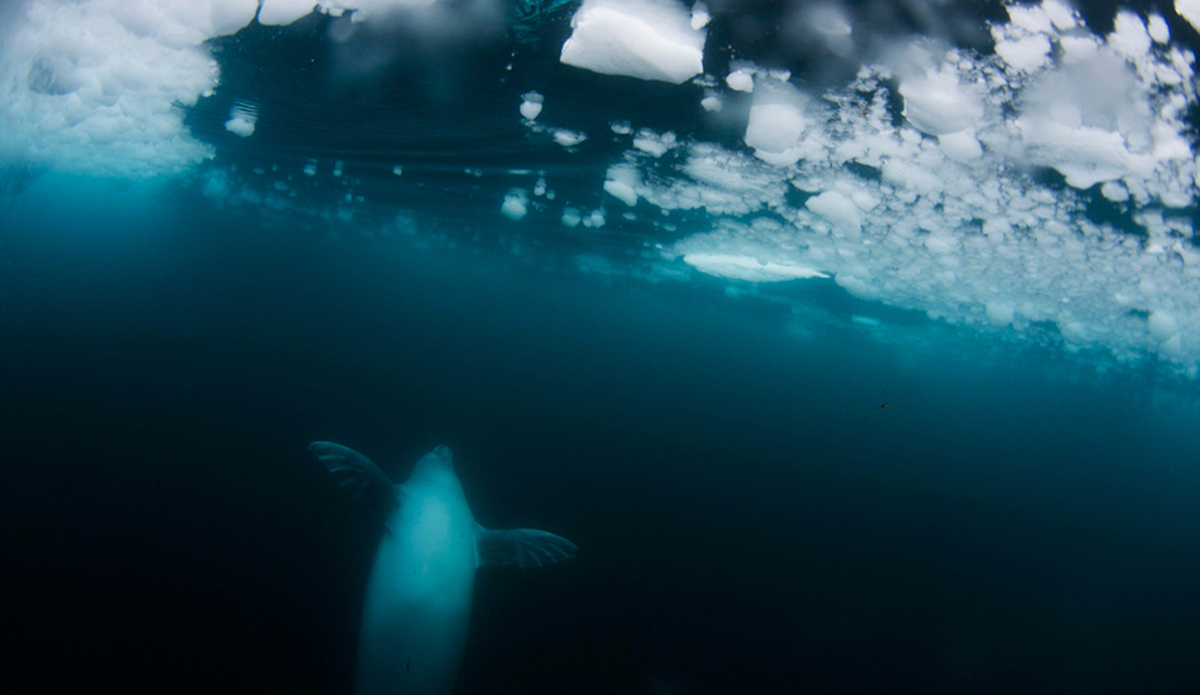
(750, 520)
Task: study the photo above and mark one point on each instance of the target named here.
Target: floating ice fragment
(1162, 325)
(515, 204)
(1084, 155)
(621, 191)
(1190, 11)
(1000, 313)
(838, 209)
(1061, 15)
(1171, 347)
(1025, 54)
(1129, 36)
(280, 12)
(1114, 191)
(647, 39)
(740, 81)
(829, 23)
(1158, 29)
(531, 105)
(774, 128)
(567, 138)
(902, 174)
(936, 103)
(962, 146)
(240, 127)
(856, 285)
(739, 267)
(652, 143)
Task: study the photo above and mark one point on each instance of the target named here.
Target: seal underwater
(418, 599)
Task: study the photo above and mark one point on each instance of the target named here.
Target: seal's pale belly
(418, 601)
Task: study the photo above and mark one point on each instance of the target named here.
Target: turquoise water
(785, 486)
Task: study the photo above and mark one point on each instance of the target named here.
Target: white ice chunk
(621, 191)
(1073, 332)
(838, 209)
(962, 146)
(711, 104)
(907, 175)
(936, 103)
(1129, 36)
(857, 285)
(1000, 313)
(1032, 18)
(940, 244)
(1026, 54)
(242, 118)
(515, 204)
(531, 105)
(1078, 48)
(280, 12)
(1061, 15)
(738, 252)
(1171, 347)
(700, 16)
(652, 143)
(739, 267)
(239, 126)
(649, 40)
(1114, 191)
(621, 182)
(740, 81)
(1084, 155)
(1158, 29)
(1190, 11)
(567, 138)
(774, 127)
(1162, 325)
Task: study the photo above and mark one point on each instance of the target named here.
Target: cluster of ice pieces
(941, 208)
(942, 212)
(95, 86)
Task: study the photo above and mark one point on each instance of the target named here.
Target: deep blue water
(750, 520)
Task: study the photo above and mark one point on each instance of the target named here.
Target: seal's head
(438, 461)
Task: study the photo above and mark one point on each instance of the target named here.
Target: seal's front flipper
(357, 475)
(522, 547)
